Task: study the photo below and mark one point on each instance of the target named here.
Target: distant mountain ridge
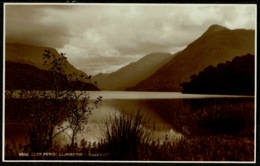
(217, 45)
(133, 73)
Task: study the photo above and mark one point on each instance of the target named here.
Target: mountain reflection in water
(161, 108)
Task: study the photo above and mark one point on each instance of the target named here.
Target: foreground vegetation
(220, 132)
(204, 148)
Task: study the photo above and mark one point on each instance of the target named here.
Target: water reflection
(110, 107)
(173, 114)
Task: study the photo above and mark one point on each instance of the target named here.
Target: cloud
(25, 24)
(108, 36)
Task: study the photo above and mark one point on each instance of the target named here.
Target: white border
(3, 95)
(109, 161)
(255, 132)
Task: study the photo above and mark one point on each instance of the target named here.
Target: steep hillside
(133, 73)
(24, 76)
(235, 77)
(217, 45)
(32, 55)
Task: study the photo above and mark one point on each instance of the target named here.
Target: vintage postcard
(162, 83)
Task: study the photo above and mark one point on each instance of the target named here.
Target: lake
(155, 95)
(168, 111)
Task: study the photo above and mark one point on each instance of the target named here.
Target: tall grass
(126, 134)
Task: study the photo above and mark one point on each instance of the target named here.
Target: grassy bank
(213, 130)
(199, 117)
(203, 148)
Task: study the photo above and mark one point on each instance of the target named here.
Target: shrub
(126, 135)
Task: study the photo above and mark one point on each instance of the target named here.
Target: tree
(235, 77)
(45, 110)
(78, 114)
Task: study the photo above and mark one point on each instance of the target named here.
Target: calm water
(157, 106)
(154, 95)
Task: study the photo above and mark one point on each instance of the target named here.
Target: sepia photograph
(149, 83)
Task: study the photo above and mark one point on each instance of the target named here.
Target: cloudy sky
(103, 38)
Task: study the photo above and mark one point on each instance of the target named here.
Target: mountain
(33, 55)
(25, 63)
(217, 45)
(25, 76)
(133, 73)
(214, 28)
